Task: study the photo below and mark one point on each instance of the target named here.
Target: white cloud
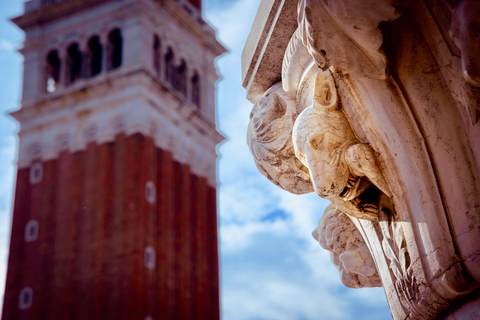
(271, 267)
(6, 45)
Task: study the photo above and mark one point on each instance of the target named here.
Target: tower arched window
(94, 56)
(74, 63)
(195, 89)
(53, 71)
(31, 231)
(36, 173)
(169, 67)
(149, 257)
(115, 43)
(25, 298)
(156, 54)
(150, 192)
(180, 78)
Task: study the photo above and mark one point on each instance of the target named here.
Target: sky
(271, 268)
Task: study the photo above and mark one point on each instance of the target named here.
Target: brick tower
(115, 202)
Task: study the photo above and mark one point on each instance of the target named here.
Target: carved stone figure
(348, 251)
(345, 34)
(383, 97)
(465, 31)
(269, 137)
(342, 169)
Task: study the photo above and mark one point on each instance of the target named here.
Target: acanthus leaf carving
(395, 248)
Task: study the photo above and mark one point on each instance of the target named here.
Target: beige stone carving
(269, 137)
(348, 251)
(345, 34)
(341, 168)
(386, 115)
(465, 31)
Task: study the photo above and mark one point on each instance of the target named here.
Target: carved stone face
(321, 139)
(269, 137)
(348, 251)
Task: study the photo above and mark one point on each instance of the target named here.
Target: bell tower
(115, 201)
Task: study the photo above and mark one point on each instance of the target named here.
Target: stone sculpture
(465, 31)
(348, 251)
(341, 168)
(376, 107)
(269, 137)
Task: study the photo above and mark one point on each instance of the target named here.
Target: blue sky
(271, 267)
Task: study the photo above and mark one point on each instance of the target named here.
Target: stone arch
(62, 142)
(173, 144)
(34, 150)
(157, 54)
(52, 71)
(114, 49)
(90, 133)
(195, 89)
(191, 154)
(74, 63)
(180, 82)
(118, 124)
(170, 66)
(154, 129)
(94, 56)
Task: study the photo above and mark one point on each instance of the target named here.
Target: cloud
(271, 267)
(7, 45)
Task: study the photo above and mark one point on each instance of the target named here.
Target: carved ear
(317, 88)
(325, 94)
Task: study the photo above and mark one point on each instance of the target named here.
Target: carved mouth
(354, 188)
(300, 166)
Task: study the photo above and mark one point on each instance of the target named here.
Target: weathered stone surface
(348, 251)
(383, 109)
(269, 138)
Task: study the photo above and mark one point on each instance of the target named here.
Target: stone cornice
(70, 121)
(262, 56)
(54, 102)
(192, 21)
(45, 14)
(194, 24)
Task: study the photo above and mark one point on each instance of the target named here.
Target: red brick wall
(94, 224)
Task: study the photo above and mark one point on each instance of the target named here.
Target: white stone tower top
(118, 66)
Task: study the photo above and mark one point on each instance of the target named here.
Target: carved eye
(279, 108)
(316, 141)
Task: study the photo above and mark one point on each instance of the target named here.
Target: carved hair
(269, 137)
(272, 122)
(337, 234)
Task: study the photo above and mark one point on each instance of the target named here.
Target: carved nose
(328, 180)
(327, 192)
(326, 186)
